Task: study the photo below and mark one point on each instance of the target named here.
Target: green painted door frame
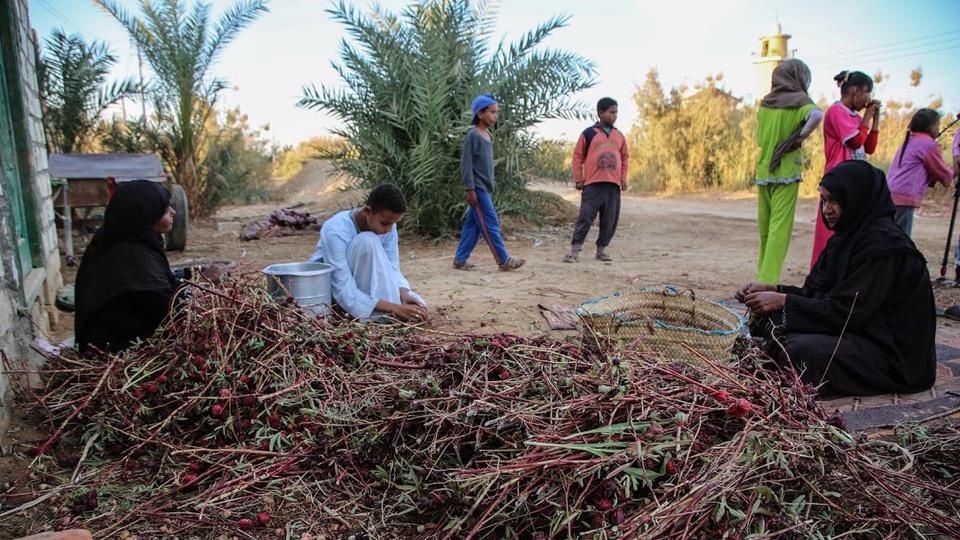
(15, 163)
(12, 185)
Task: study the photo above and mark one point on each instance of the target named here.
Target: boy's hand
(623, 186)
(472, 197)
(578, 186)
(407, 298)
(409, 312)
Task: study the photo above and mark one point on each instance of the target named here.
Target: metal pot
(307, 282)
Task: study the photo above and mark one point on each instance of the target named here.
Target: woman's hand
(751, 288)
(472, 197)
(765, 302)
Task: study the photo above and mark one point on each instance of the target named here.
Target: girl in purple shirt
(917, 165)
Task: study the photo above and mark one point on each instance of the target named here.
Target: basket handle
(670, 290)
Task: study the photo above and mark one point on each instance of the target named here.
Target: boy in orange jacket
(600, 171)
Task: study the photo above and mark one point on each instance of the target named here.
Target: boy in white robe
(362, 245)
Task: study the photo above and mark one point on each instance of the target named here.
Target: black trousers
(602, 198)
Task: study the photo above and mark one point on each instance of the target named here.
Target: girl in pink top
(917, 165)
(847, 135)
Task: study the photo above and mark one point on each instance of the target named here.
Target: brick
(72, 534)
(876, 401)
(841, 405)
(944, 372)
(947, 385)
(926, 395)
(16, 332)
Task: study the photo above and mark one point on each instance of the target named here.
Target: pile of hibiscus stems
(250, 416)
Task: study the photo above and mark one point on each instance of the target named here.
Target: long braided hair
(921, 122)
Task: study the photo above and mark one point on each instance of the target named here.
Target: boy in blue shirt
(476, 167)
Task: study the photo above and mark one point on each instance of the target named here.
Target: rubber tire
(177, 237)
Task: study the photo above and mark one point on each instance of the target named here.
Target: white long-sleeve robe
(366, 266)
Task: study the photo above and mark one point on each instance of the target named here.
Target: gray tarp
(122, 167)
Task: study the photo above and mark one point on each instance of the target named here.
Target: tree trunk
(187, 177)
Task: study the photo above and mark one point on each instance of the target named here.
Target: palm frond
(236, 18)
(73, 85)
(406, 82)
(181, 45)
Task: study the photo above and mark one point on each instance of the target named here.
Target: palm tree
(409, 80)
(181, 46)
(73, 83)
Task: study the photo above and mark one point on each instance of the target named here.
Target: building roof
(122, 167)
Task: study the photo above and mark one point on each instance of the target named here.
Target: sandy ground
(707, 243)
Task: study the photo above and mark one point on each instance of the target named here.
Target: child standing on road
(918, 164)
(600, 171)
(476, 167)
(846, 135)
(786, 117)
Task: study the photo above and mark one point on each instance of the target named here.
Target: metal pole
(143, 99)
(68, 223)
(950, 125)
(953, 214)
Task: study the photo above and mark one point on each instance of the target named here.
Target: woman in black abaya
(864, 321)
(124, 286)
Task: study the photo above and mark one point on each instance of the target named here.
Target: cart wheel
(177, 237)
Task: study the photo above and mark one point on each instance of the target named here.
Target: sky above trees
(686, 41)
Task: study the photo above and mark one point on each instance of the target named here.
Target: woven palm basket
(663, 322)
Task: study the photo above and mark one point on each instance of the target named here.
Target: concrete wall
(26, 301)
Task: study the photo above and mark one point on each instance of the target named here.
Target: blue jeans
(904, 218)
(481, 219)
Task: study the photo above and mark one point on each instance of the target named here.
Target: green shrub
(409, 81)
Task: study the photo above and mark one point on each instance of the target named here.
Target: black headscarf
(866, 228)
(126, 254)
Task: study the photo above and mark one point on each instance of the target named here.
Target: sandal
(464, 265)
(570, 258)
(604, 256)
(511, 263)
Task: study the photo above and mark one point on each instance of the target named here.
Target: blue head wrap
(480, 103)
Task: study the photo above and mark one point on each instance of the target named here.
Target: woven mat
(886, 417)
(559, 317)
(887, 410)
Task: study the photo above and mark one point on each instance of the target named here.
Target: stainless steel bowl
(307, 282)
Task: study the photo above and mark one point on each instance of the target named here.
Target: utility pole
(143, 99)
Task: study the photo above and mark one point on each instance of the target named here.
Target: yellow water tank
(773, 51)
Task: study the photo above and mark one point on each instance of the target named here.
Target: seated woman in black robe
(864, 321)
(124, 286)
